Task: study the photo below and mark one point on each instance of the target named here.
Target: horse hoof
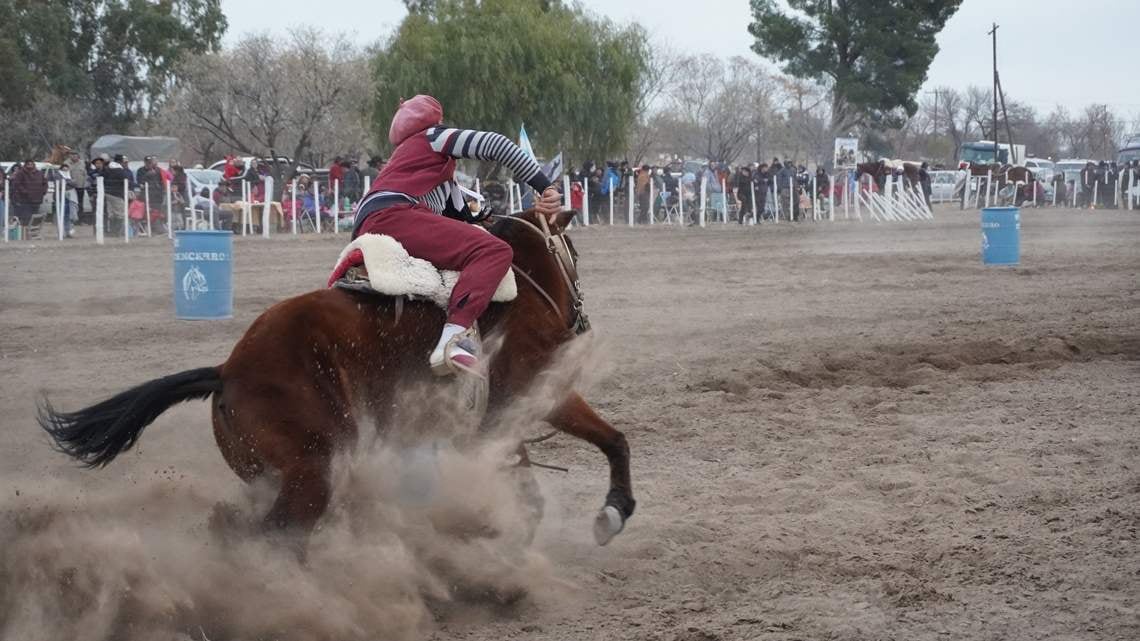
(607, 524)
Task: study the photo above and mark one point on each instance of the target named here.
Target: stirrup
(448, 366)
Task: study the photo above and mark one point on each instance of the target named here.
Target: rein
(556, 245)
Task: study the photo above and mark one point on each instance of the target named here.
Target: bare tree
(715, 110)
(659, 74)
(48, 121)
(307, 97)
(807, 120)
(1102, 132)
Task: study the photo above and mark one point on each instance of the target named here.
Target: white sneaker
(457, 351)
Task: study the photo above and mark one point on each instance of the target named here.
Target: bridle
(558, 247)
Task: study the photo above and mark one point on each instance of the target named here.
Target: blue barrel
(1001, 235)
(203, 275)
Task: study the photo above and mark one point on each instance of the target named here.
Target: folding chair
(34, 229)
(307, 218)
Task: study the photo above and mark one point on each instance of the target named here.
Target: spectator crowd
(780, 189)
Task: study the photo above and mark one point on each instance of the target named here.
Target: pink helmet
(414, 115)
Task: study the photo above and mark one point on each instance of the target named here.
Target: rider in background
(416, 201)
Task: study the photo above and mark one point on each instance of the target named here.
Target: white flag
(524, 142)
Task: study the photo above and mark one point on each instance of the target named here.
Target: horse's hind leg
(238, 454)
(575, 417)
(265, 429)
(305, 492)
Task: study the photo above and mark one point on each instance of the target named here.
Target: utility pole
(936, 92)
(993, 32)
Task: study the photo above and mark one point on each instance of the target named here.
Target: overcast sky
(1049, 51)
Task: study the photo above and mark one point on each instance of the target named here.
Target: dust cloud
(415, 530)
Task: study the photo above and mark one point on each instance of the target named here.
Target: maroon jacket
(414, 168)
(28, 186)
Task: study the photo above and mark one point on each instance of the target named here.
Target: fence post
(791, 198)
(629, 184)
(585, 202)
(211, 210)
(858, 197)
(831, 200)
(723, 203)
(169, 211)
(336, 207)
(1034, 191)
(126, 211)
(681, 200)
(146, 204)
(704, 196)
(266, 205)
(649, 214)
(293, 188)
(58, 208)
(814, 199)
(190, 196)
(511, 196)
(565, 191)
(989, 184)
(1116, 189)
(846, 196)
(752, 190)
(610, 187)
(246, 208)
(1131, 184)
(100, 209)
(317, 205)
(7, 208)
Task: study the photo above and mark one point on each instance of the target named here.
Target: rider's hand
(549, 204)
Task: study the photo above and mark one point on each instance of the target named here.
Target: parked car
(942, 183)
(1072, 168)
(1042, 168)
(1130, 151)
(302, 167)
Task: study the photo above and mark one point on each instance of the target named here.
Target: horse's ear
(562, 220)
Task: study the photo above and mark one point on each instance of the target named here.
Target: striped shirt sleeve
(489, 146)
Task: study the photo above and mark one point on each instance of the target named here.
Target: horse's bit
(556, 244)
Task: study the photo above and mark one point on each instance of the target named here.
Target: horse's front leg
(575, 417)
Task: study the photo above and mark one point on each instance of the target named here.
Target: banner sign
(846, 152)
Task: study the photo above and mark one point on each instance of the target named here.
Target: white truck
(982, 153)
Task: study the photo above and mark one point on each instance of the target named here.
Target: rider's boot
(457, 351)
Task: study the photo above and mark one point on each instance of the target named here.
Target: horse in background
(883, 169)
(59, 155)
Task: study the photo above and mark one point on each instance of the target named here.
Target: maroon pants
(481, 259)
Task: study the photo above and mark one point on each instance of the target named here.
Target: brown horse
(880, 171)
(59, 154)
(296, 385)
(877, 170)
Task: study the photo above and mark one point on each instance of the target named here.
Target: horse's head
(545, 261)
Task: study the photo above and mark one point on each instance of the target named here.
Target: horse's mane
(499, 228)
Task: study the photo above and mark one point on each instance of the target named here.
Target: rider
(416, 201)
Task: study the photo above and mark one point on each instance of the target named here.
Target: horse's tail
(96, 435)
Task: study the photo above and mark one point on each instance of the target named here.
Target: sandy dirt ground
(839, 431)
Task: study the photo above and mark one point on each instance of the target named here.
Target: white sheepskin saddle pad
(392, 271)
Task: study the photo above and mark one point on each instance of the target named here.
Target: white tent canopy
(136, 148)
